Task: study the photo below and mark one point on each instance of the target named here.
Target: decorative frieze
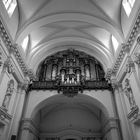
(23, 86)
(138, 39)
(0, 59)
(108, 74)
(137, 58)
(127, 46)
(125, 49)
(8, 66)
(134, 113)
(130, 65)
(4, 115)
(14, 47)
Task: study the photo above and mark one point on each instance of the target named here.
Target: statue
(9, 92)
(129, 94)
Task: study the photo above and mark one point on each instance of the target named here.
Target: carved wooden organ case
(69, 72)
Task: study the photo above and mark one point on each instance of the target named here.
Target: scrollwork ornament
(26, 84)
(0, 59)
(138, 39)
(137, 58)
(10, 68)
(8, 65)
(130, 65)
(114, 82)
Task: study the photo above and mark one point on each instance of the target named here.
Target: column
(18, 108)
(120, 104)
(25, 135)
(110, 129)
(28, 130)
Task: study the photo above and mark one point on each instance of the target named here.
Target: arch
(55, 99)
(88, 46)
(82, 17)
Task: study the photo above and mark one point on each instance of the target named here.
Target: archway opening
(61, 117)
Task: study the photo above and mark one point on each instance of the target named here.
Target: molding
(71, 132)
(134, 113)
(111, 123)
(13, 48)
(29, 124)
(4, 115)
(137, 58)
(125, 48)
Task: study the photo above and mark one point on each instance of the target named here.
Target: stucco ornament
(9, 92)
(129, 94)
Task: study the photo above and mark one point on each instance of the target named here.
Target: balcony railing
(69, 89)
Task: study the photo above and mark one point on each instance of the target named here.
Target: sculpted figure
(9, 92)
(129, 94)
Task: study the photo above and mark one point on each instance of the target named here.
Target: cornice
(13, 48)
(125, 48)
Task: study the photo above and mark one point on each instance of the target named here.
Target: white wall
(36, 97)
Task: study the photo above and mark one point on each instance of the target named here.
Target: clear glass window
(10, 6)
(128, 5)
(115, 43)
(25, 43)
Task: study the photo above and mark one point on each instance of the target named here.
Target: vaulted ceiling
(48, 26)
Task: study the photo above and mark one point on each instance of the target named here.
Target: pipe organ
(70, 72)
(71, 67)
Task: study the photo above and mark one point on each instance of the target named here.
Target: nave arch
(85, 115)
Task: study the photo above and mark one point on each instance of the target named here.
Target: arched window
(25, 43)
(128, 5)
(10, 6)
(115, 43)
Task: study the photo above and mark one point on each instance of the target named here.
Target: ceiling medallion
(70, 72)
